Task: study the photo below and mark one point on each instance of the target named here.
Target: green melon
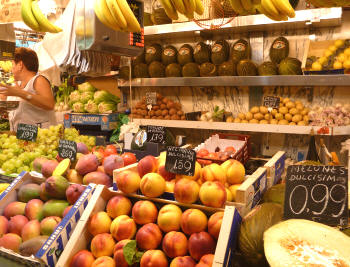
(228, 68)
(185, 54)
(169, 55)
(246, 67)
(201, 53)
(190, 70)
(250, 239)
(208, 70)
(140, 70)
(240, 50)
(290, 66)
(124, 73)
(268, 68)
(156, 69)
(173, 70)
(220, 52)
(153, 53)
(275, 194)
(279, 50)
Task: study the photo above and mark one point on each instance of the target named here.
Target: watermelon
(290, 66)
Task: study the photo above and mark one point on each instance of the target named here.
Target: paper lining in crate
(275, 168)
(221, 141)
(81, 237)
(52, 248)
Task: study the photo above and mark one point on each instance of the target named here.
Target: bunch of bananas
(329, 3)
(117, 15)
(35, 19)
(6, 66)
(185, 7)
(244, 7)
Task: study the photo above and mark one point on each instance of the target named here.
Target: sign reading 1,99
(27, 132)
(318, 193)
(180, 160)
(67, 149)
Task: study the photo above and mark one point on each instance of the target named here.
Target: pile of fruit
(28, 222)
(337, 115)
(6, 76)
(185, 7)
(4, 125)
(89, 99)
(203, 60)
(204, 157)
(213, 184)
(289, 113)
(17, 155)
(154, 236)
(164, 109)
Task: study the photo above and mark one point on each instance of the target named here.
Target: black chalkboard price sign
(151, 98)
(156, 134)
(27, 132)
(317, 193)
(67, 149)
(271, 101)
(180, 160)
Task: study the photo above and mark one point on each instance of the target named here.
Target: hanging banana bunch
(117, 15)
(185, 7)
(35, 19)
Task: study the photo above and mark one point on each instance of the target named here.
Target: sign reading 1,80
(67, 149)
(318, 193)
(180, 160)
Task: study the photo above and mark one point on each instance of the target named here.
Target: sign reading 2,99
(317, 193)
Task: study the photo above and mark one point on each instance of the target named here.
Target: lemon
(316, 66)
(328, 53)
(346, 64)
(332, 48)
(322, 60)
(337, 65)
(339, 43)
(341, 57)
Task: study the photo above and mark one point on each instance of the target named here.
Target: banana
(44, 24)
(133, 24)
(170, 9)
(104, 15)
(27, 15)
(284, 7)
(237, 6)
(270, 8)
(179, 6)
(117, 14)
(199, 7)
(262, 10)
(247, 4)
(256, 2)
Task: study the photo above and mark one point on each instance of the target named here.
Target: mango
(38, 163)
(56, 187)
(14, 208)
(74, 177)
(48, 167)
(73, 192)
(28, 192)
(54, 207)
(44, 196)
(30, 230)
(11, 241)
(32, 246)
(16, 224)
(66, 210)
(49, 224)
(34, 209)
(87, 163)
(4, 224)
(97, 178)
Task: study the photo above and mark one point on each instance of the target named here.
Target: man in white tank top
(37, 103)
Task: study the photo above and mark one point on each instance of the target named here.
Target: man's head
(25, 60)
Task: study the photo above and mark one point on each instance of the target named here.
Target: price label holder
(271, 102)
(156, 134)
(67, 149)
(27, 132)
(151, 98)
(317, 193)
(180, 160)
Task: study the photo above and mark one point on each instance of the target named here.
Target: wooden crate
(275, 168)
(81, 237)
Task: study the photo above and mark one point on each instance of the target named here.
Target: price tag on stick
(180, 160)
(151, 98)
(156, 134)
(27, 132)
(317, 193)
(67, 149)
(271, 101)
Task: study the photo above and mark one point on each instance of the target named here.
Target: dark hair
(28, 57)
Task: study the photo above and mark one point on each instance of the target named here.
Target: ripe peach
(30, 230)
(148, 236)
(228, 194)
(163, 172)
(49, 224)
(128, 181)
(4, 224)
(152, 185)
(146, 165)
(99, 223)
(11, 241)
(212, 194)
(206, 261)
(169, 218)
(104, 261)
(102, 245)
(34, 209)
(233, 190)
(14, 208)
(154, 258)
(16, 224)
(123, 227)
(169, 186)
(185, 261)
(214, 172)
(235, 171)
(144, 212)
(186, 191)
(197, 173)
(200, 244)
(214, 224)
(118, 254)
(118, 205)
(83, 258)
(175, 244)
(193, 221)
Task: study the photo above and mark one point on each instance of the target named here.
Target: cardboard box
(81, 237)
(107, 122)
(275, 168)
(54, 245)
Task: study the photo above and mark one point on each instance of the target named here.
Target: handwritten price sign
(156, 134)
(317, 193)
(67, 149)
(27, 132)
(180, 160)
